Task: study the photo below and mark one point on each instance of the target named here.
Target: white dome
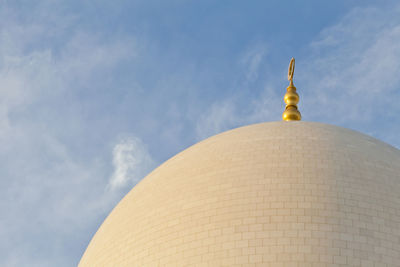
(270, 194)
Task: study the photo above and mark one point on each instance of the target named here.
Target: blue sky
(95, 94)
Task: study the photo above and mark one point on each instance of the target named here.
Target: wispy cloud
(229, 113)
(262, 104)
(362, 58)
(131, 162)
(352, 75)
(220, 117)
(252, 60)
(51, 191)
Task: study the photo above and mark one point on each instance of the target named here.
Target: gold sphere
(291, 97)
(291, 114)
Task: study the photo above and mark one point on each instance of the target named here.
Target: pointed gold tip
(291, 98)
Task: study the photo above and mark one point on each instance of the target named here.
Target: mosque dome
(272, 194)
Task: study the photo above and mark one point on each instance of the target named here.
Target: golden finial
(291, 98)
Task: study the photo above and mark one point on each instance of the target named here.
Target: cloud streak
(53, 193)
(131, 162)
(350, 74)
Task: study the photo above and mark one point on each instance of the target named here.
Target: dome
(270, 194)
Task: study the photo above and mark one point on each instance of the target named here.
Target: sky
(95, 94)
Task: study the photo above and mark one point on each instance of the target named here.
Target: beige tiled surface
(271, 194)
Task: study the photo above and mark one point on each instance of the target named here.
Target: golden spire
(291, 98)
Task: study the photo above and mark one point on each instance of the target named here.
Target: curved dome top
(289, 193)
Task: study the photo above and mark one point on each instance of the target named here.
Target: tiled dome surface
(270, 194)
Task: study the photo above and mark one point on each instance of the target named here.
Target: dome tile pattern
(270, 194)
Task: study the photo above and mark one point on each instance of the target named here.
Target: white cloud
(229, 113)
(220, 117)
(252, 60)
(53, 195)
(131, 162)
(352, 73)
(349, 77)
